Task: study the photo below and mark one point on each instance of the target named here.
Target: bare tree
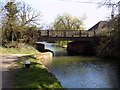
(111, 4)
(28, 16)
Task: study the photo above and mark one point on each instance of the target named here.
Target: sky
(50, 9)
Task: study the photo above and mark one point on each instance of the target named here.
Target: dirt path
(8, 64)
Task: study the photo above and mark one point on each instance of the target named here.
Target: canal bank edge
(36, 76)
(46, 59)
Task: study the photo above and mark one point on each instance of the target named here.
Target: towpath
(7, 66)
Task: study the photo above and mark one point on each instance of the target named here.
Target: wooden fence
(65, 33)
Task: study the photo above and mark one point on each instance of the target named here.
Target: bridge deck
(52, 39)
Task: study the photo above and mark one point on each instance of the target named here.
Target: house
(100, 27)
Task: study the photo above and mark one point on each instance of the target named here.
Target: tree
(111, 4)
(109, 46)
(28, 19)
(30, 35)
(27, 16)
(17, 21)
(1, 12)
(9, 31)
(67, 22)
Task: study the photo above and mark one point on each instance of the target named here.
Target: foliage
(36, 76)
(18, 23)
(67, 22)
(10, 25)
(109, 46)
(29, 35)
(62, 43)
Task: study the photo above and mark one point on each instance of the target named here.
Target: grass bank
(36, 76)
(18, 48)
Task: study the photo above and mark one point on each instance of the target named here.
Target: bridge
(82, 40)
(65, 35)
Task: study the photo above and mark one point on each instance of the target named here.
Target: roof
(99, 25)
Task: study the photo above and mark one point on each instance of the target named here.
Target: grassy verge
(36, 76)
(18, 48)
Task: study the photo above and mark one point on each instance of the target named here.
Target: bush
(108, 46)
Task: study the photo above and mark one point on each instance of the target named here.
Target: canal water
(83, 71)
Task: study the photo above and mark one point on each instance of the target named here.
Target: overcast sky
(50, 9)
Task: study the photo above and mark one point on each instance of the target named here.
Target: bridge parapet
(65, 33)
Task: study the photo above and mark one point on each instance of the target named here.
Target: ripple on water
(81, 72)
(86, 74)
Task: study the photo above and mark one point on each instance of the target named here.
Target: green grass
(23, 49)
(34, 77)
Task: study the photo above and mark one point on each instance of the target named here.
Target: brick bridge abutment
(81, 47)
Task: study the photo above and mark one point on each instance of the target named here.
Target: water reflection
(83, 72)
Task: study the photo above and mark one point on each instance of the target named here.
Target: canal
(83, 71)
